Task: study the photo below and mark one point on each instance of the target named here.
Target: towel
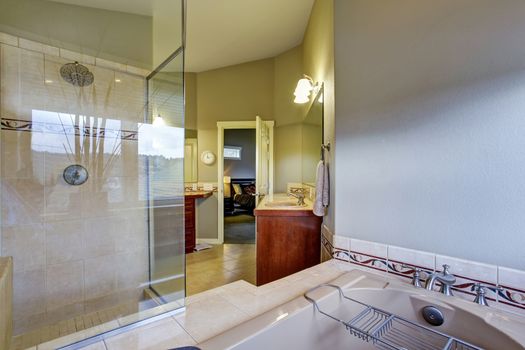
(322, 189)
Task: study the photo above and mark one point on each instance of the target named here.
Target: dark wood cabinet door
(286, 245)
(189, 224)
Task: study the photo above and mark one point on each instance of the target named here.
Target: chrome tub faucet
(300, 197)
(446, 279)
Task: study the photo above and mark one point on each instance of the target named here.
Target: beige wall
(237, 92)
(117, 36)
(318, 53)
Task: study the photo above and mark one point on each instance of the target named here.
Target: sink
(284, 204)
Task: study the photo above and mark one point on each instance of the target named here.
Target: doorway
(239, 186)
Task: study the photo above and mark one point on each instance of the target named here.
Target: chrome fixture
(300, 197)
(75, 175)
(433, 315)
(446, 279)
(481, 291)
(416, 282)
(76, 74)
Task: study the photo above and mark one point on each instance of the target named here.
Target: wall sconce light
(158, 121)
(304, 88)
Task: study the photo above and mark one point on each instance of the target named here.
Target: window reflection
(75, 135)
(112, 154)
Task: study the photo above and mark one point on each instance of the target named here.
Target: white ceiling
(221, 33)
(225, 32)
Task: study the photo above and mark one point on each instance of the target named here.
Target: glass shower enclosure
(92, 147)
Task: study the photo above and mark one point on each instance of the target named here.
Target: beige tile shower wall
(81, 248)
(6, 302)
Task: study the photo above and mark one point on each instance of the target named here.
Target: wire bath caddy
(387, 331)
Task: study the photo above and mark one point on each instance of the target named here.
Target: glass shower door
(164, 150)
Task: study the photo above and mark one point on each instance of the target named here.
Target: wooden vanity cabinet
(288, 241)
(189, 218)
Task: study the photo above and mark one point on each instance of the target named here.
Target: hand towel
(322, 189)
(326, 185)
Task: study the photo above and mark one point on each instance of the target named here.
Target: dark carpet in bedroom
(239, 229)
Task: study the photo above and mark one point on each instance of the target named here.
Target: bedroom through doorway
(239, 168)
(239, 186)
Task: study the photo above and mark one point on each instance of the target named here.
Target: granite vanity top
(264, 208)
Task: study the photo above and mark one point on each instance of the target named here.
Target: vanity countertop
(197, 194)
(264, 209)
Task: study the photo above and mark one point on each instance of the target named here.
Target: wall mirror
(191, 156)
(312, 139)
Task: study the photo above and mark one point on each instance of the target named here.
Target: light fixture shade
(158, 121)
(301, 99)
(304, 85)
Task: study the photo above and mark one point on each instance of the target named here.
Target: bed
(242, 197)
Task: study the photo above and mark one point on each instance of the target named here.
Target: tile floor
(218, 266)
(72, 325)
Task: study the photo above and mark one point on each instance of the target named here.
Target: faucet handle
(478, 288)
(416, 282)
(446, 269)
(481, 290)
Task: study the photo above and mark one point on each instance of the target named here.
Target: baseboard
(208, 240)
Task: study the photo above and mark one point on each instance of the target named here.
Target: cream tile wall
(82, 248)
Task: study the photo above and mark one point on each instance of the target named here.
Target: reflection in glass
(164, 145)
(312, 137)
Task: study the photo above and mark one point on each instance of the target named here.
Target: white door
(264, 158)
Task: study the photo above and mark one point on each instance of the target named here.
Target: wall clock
(208, 157)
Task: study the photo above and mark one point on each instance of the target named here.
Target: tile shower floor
(72, 325)
(205, 270)
(218, 266)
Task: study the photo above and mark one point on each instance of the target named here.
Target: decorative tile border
(405, 270)
(371, 261)
(512, 297)
(401, 263)
(61, 129)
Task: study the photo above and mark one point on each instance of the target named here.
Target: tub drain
(433, 315)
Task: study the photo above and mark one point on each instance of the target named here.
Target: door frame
(221, 126)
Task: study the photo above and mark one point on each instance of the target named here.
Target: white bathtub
(296, 325)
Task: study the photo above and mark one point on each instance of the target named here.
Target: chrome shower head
(76, 74)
